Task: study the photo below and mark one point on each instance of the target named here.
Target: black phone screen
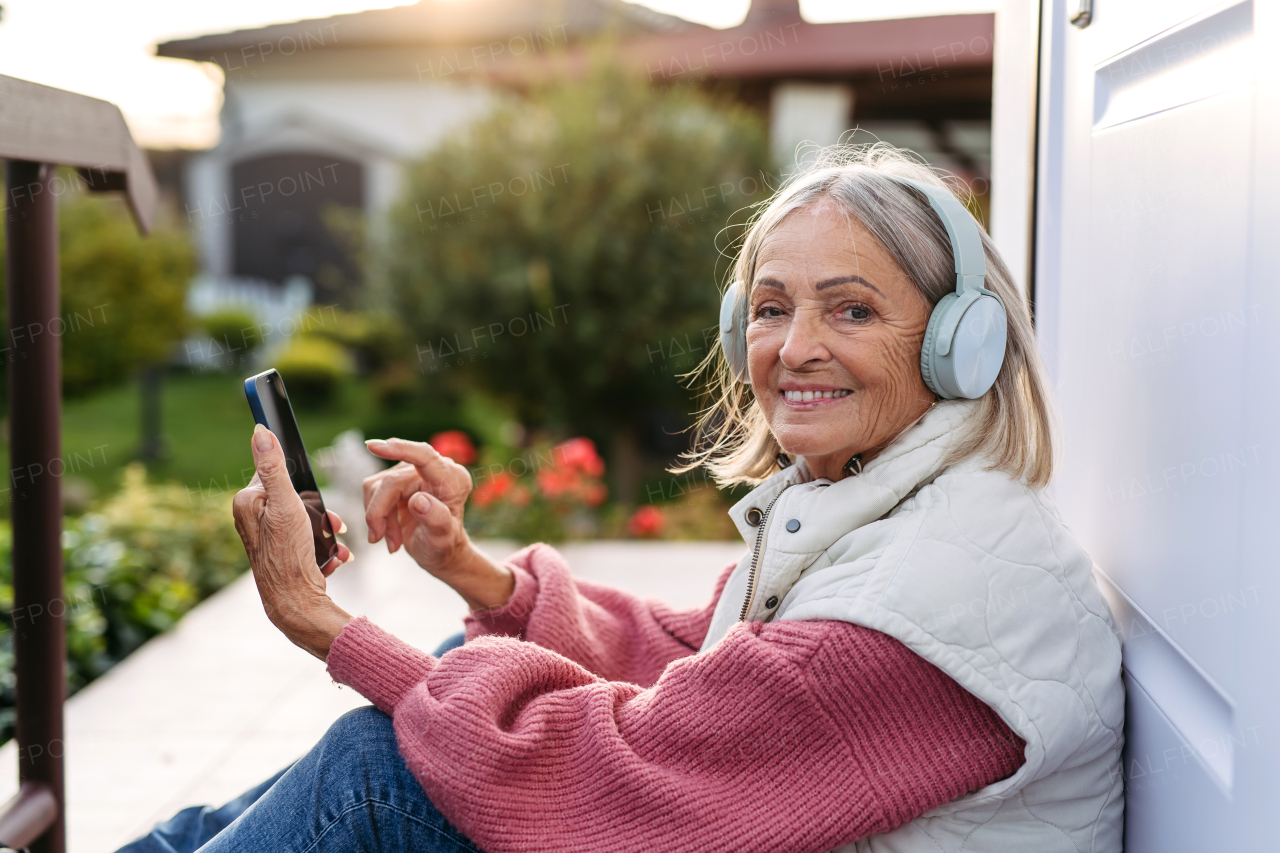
(278, 414)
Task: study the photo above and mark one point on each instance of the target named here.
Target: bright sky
(106, 49)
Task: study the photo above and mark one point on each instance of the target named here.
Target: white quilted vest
(978, 574)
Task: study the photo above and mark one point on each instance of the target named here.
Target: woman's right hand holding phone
(418, 503)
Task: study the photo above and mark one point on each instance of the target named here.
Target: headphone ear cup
(977, 351)
(973, 329)
(929, 347)
(733, 332)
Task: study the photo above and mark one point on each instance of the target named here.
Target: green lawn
(206, 423)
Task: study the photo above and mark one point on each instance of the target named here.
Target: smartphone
(271, 408)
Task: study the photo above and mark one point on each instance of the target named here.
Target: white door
(1158, 309)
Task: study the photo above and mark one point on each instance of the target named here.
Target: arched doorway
(289, 203)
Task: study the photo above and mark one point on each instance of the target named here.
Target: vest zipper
(755, 557)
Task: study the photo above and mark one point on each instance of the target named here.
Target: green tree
(562, 254)
(123, 295)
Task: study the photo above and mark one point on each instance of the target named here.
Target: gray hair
(1012, 425)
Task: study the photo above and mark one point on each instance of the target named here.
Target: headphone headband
(966, 242)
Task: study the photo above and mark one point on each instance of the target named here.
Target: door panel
(1200, 59)
(1151, 316)
(1121, 25)
(1160, 773)
(1168, 310)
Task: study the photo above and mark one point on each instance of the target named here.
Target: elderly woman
(911, 657)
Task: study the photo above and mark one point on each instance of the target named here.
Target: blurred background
(497, 225)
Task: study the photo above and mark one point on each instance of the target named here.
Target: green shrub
(377, 340)
(312, 368)
(132, 567)
(582, 277)
(123, 295)
(232, 329)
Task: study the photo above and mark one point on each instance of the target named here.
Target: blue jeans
(351, 792)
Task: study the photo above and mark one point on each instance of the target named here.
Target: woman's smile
(812, 396)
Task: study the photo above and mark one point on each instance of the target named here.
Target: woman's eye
(855, 312)
(769, 312)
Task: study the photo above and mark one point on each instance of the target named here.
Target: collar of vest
(912, 460)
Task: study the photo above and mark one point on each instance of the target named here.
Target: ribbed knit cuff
(512, 618)
(378, 665)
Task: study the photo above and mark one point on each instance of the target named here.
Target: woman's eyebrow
(846, 279)
(822, 285)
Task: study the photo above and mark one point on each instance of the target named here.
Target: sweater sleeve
(611, 633)
(787, 736)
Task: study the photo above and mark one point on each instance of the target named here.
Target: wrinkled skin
(830, 310)
(417, 503)
(277, 534)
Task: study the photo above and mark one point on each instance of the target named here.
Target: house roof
(431, 23)
(777, 42)
(902, 66)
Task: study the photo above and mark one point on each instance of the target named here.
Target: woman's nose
(805, 342)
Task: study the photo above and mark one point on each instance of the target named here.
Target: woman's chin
(811, 444)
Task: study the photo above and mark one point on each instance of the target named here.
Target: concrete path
(224, 700)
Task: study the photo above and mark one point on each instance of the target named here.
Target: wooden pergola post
(41, 127)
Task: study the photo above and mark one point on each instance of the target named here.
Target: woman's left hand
(276, 532)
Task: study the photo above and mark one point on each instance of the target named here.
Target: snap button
(772, 602)
(753, 516)
(793, 525)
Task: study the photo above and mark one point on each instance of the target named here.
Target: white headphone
(965, 340)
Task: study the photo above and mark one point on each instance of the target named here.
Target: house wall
(807, 112)
(331, 108)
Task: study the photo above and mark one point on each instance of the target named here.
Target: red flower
(456, 445)
(580, 453)
(559, 482)
(495, 489)
(647, 521)
(595, 494)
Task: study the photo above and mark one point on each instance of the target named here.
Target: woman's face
(833, 340)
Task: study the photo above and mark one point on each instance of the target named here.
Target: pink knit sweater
(579, 718)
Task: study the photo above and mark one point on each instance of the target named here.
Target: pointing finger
(439, 471)
(399, 449)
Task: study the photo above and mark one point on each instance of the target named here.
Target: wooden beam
(35, 446)
(46, 125)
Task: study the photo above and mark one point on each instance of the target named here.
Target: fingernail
(343, 528)
(369, 441)
(261, 438)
